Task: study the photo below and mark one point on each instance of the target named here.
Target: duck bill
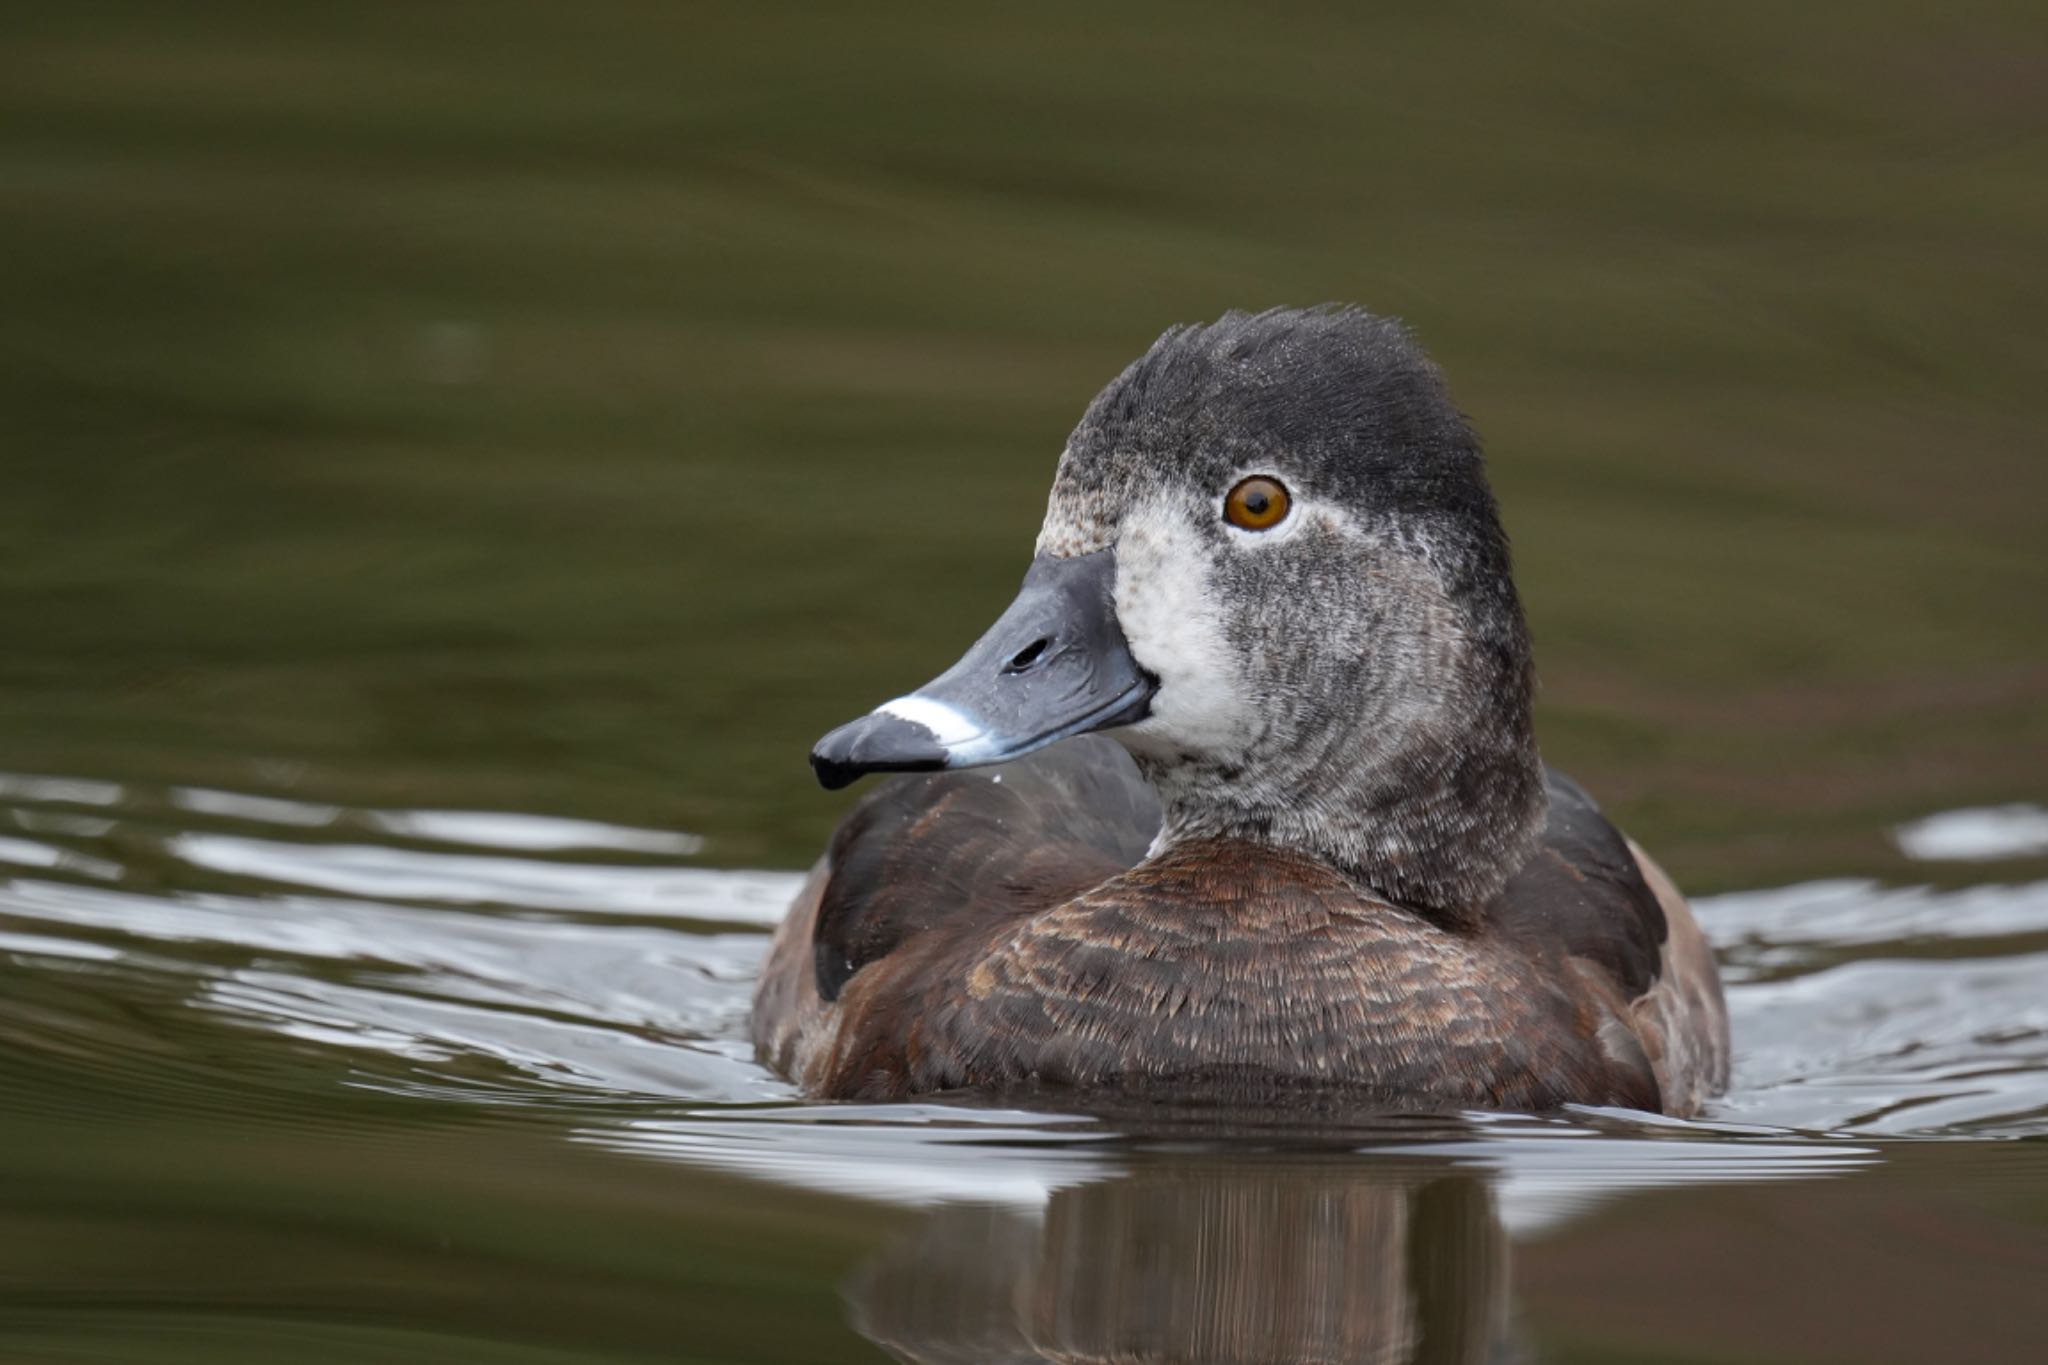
(1055, 664)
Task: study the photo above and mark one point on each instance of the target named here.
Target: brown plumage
(970, 933)
(1314, 857)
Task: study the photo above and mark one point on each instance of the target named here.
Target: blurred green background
(578, 408)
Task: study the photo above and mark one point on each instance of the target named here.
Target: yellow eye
(1257, 503)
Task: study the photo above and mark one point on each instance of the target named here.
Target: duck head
(1272, 569)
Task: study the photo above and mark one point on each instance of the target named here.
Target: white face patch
(1173, 623)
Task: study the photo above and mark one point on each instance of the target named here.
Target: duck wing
(945, 854)
(937, 870)
(1591, 893)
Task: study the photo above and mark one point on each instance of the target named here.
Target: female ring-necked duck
(1313, 852)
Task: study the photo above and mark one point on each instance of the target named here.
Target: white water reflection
(1544, 1170)
(531, 833)
(538, 976)
(1979, 834)
(1805, 925)
(32, 853)
(467, 879)
(498, 829)
(68, 791)
(265, 810)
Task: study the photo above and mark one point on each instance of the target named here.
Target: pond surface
(456, 459)
(295, 1080)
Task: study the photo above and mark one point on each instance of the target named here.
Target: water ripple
(515, 969)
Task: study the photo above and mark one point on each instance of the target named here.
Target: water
(294, 1077)
(454, 460)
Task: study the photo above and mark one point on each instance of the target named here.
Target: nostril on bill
(1026, 656)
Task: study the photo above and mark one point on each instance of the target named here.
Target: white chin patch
(1173, 624)
(965, 740)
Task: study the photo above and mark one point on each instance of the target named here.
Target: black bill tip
(878, 742)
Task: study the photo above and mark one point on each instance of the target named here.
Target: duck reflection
(1279, 1262)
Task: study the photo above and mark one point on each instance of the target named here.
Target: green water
(574, 410)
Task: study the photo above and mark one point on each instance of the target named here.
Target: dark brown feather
(966, 932)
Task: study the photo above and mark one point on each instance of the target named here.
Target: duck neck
(1431, 798)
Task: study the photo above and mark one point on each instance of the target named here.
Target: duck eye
(1256, 504)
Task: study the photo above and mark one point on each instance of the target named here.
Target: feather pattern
(1033, 949)
(1319, 856)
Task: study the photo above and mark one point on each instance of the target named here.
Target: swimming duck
(1239, 800)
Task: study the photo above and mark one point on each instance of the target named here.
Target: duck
(1239, 801)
